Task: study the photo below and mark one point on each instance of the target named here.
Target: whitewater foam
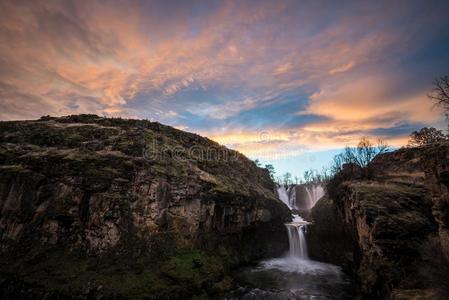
(300, 266)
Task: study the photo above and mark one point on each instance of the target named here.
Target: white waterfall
(287, 195)
(292, 196)
(309, 196)
(296, 229)
(297, 239)
(314, 193)
(297, 260)
(283, 195)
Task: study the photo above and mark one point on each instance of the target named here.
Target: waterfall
(283, 195)
(287, 195)
(295, 275)
(297, 240)
(292, 196)
(297, 228)
(314, 193)
(308, 196)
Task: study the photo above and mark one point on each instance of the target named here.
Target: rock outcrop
(151, 210)
(396, 220)
(327, 237)
(429, 166)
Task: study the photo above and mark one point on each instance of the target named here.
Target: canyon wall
(171, 208)
(392, 226)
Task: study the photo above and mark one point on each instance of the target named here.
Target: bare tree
(364, 152)
(426, 136)
(337, 163)
(287, 178)
(315, 177)
(296, 179)
(308, 176)
(361, 155)
(440, 92)
(325, 173)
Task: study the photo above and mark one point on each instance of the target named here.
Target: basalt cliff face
(98, 207)
(391, 229)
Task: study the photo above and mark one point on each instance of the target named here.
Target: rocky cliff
(93, 206)
(394, 224)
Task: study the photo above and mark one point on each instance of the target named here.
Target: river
(294, 275)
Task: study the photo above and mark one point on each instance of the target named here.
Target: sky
(287, 82)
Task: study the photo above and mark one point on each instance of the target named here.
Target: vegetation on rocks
(390, 230)
(128, 208)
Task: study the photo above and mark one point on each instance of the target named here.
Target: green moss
(192, 267)
(186, 273)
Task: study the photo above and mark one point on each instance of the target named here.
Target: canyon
(94, 207)
(101, 207)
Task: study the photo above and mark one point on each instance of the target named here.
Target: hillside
(93, 206)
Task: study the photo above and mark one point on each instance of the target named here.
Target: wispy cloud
(342, 68)
(316, 76)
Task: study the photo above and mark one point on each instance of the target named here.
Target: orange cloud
(157, 61)
(366, 101)
(114, 53)
(289, 143)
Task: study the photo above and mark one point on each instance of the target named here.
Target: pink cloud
(123, 59)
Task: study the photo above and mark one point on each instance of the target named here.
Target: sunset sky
(288, 82)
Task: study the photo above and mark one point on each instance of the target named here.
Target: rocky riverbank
(93, 206)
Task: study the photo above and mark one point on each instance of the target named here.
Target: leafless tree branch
(440, 92)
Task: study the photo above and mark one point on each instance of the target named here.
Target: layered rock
(389, 229)
(128, 188)
(397, 221)
(428, 165)
(327, 236)
(390, 222)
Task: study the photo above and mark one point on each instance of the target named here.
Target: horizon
(288, 83)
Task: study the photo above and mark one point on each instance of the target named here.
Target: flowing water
(287, 195)
(314, 193)
(293, 276)
(296, 238)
